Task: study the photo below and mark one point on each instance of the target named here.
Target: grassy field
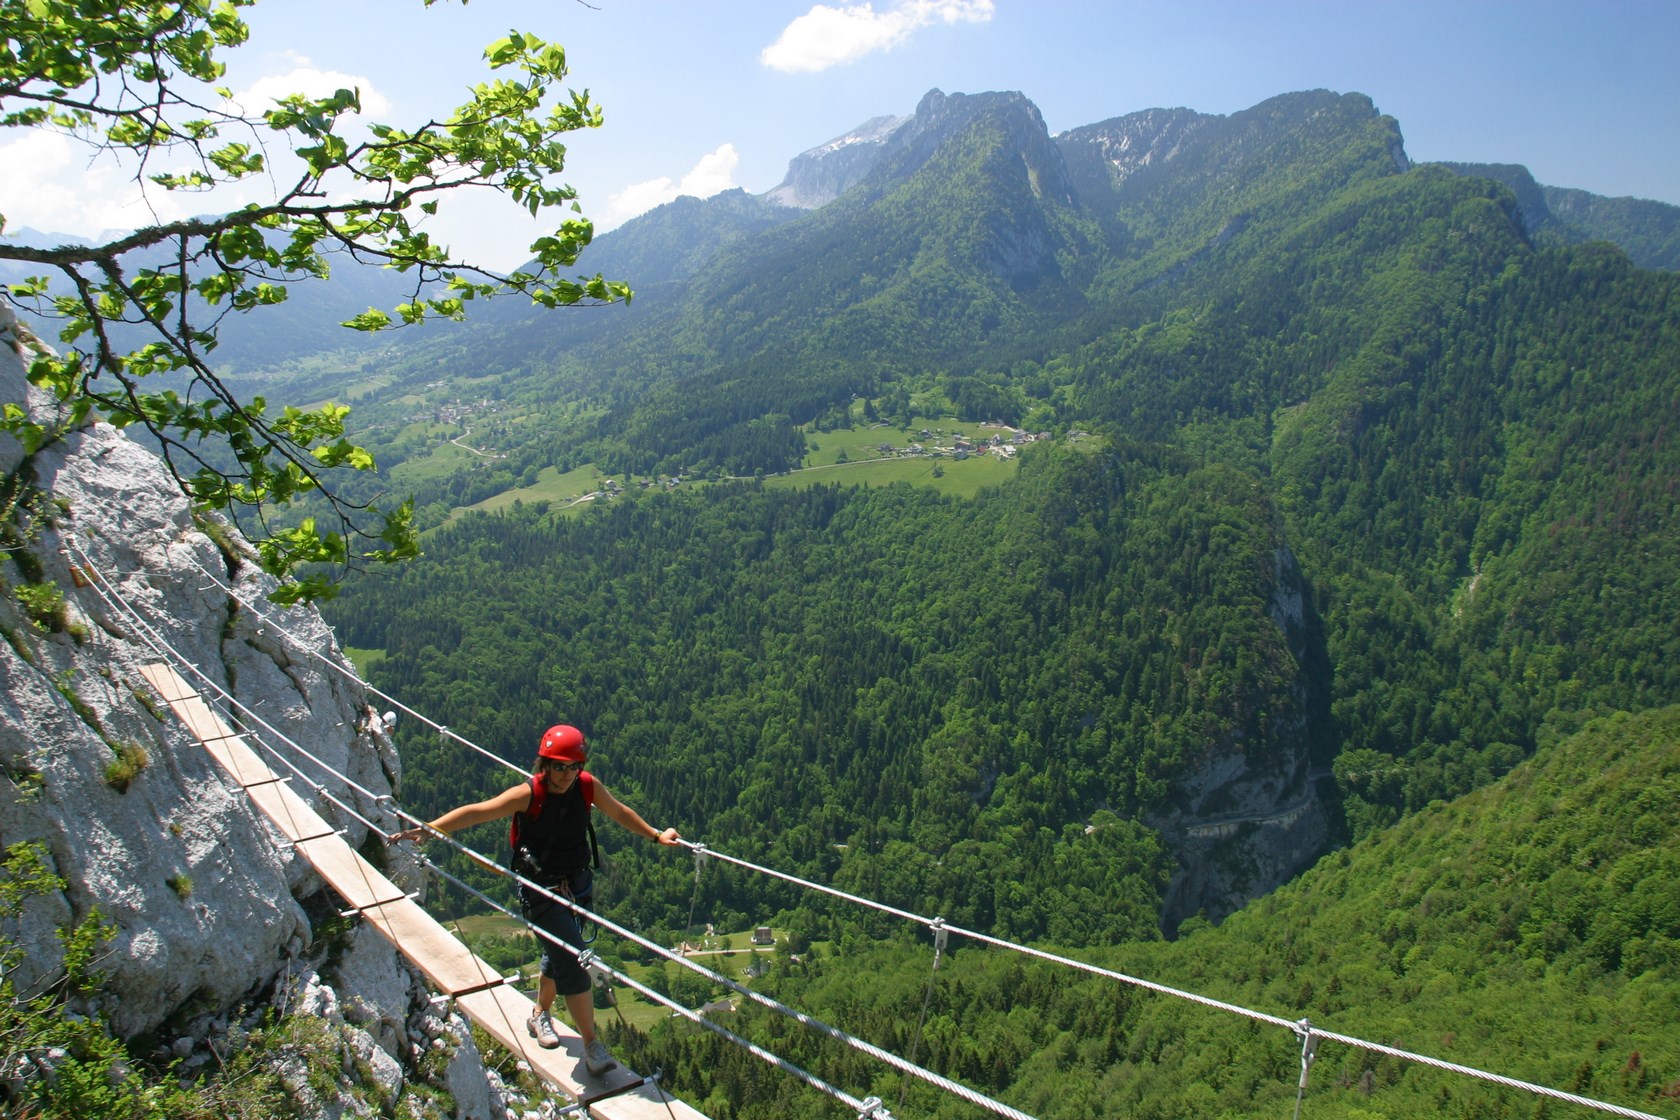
(480, 925)
(853, 456)
(552, 486)
(850, 456)
(363, 659)
(726, 954)
(962, 479)
(865, 442)
(355, 387)
(445, 458)
(340, 377)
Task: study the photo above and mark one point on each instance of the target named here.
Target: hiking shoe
(541, 1028)
(596, 1059)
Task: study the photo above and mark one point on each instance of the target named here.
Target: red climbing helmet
(563, 742)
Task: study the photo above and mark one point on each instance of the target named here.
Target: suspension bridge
(246, 747)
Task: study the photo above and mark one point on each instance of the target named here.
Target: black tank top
(553, 845)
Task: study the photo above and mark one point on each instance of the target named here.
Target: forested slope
(1648, 231)
(1530, 929)
(1469, 440)
(1382, 500)
(928, 697)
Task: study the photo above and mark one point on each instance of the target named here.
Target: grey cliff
(210, 911)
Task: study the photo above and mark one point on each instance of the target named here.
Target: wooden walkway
(482, 993)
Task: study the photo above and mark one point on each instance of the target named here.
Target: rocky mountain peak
(891, 148)
(819, 175)
(1138, 140)
(942, 117)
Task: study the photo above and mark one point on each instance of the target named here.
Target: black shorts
(558, 923)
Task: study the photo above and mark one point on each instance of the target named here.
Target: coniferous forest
(1357, 487)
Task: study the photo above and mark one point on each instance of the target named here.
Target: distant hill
(664, 249)
(1648, 231)
(966, 230)
(279, 335)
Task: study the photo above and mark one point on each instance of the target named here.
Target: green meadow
(851, 456)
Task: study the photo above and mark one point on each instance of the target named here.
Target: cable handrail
(338, 667)
(1302, 1028)
(242, 712)
(870, 1108)
(937, 923)
(757, 1051)
(811, 1022)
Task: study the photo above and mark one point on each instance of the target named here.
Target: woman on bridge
(553, 839)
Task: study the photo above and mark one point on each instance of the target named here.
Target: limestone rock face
(820, 175)
(108, 572)
(1129, 144)
(1247, 819)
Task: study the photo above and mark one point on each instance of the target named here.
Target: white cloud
(714, 173)
(305, 78)
(53, 184)
(826, 36)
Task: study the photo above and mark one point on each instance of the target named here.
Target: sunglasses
(563, 767)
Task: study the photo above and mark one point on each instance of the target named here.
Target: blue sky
(703, 95)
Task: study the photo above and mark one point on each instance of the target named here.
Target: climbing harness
(585, 918)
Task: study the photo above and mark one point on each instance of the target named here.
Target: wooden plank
(503, 1012)
(167, 681)
(238, 759)
(449, 965)
(294, 816)
(645, 1102)
(201, 721)
(354, 878)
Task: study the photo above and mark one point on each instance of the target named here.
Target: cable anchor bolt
(1309, 1050)
(1309, 1047)
(941, 935)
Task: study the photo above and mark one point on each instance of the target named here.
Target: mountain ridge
(1273, 303)
(821, 174)
(1648, 231)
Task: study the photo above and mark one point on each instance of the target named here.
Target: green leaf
(372, 319)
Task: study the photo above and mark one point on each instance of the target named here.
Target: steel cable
(1292, 1025)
